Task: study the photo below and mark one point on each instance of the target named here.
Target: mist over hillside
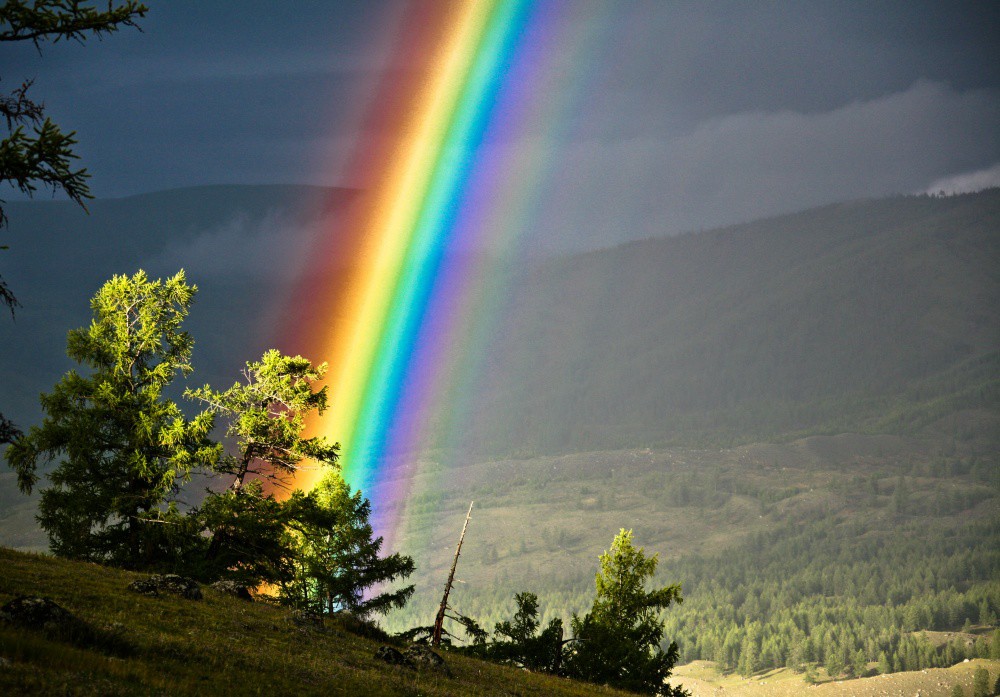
(240, 244)
(879, 315)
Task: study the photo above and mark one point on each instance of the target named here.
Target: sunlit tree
(122, 448)
(338, 559)
(618, 641)
(264, 416)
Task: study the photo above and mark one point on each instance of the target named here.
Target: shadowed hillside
(871, 315)
(878, 316)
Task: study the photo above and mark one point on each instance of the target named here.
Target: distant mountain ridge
(239, 244)
(877, 315)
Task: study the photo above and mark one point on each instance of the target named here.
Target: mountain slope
(219, 645)
(826, 320)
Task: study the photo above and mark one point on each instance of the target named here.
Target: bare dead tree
(439, 620)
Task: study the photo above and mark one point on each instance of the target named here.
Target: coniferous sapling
(518, 642)
(337, 556)
(617, 643)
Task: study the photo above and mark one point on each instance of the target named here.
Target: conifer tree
(265, 415)
(122, 448)
(981, 683)
(317, 548)
(618, 641)
(518, 642)
(337, 558)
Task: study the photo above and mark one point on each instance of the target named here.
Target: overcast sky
(687, 115)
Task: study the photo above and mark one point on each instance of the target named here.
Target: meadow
(216, 646)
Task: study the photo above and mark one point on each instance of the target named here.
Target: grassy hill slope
(216, 646)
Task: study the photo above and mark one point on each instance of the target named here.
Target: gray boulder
(167, 583)
(234, 589)
(394, 656)
(45, 615)
(423, 658)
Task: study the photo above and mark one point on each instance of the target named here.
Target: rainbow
(395, 292)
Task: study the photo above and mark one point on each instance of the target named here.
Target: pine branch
(64, 19)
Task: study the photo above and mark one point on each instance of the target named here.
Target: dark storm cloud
(691, 114)
(206, 94)
(738, 167)
(694, 60)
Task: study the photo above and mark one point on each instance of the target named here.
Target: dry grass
(703, 679)
(215, 646)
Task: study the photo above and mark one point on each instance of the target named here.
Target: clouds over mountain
(736, 167)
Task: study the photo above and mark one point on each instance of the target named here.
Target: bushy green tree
(247, 538)
(316, 549)
(981, 683)
(122, 448)
(617, 643)
(265, 417)
(337, 556)
(518, 642)
(265, 414)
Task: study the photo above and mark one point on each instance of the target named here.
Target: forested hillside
(847, 554)
(707, 391)
(879, 315)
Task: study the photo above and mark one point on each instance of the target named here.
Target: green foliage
(860, 590)
(317, 548)
(55, 20)
(336, 560)
(475, 637)
(618, 641)
(265, 416)
(122, 448)
(517, 641)
(8, 431)
(957, 691)
(45, 155)
(252, 533)
(981, 683)
(249, 541)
